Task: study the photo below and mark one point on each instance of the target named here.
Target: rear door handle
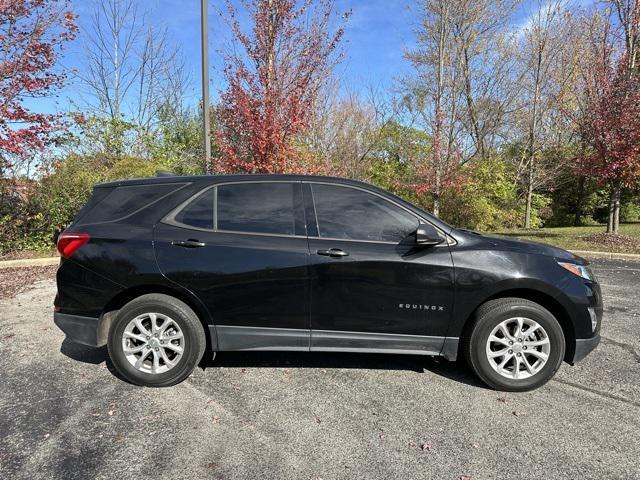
(333, 252)
(189, 243)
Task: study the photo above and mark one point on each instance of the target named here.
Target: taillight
(69, 242)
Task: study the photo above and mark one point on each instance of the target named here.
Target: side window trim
(311, 219)
(170, 218)
(354, 187)
(215, 208)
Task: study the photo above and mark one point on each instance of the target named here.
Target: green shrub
(541, 211)
(34, 223)
(486, 201)
(393, 175)
(629, 212)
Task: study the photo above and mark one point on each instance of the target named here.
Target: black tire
(179, 312)
(489, 316)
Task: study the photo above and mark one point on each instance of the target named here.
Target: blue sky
(377, 35)
(375, 38)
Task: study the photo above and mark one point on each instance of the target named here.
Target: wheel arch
(125, 296)
(545, 300)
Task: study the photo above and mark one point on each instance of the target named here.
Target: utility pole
(206, 124)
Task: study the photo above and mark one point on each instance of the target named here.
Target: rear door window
(261, 207)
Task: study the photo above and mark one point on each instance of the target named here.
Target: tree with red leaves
(273, 82)
(611, 123)
(32, 33)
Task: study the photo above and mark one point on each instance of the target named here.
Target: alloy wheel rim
(518, 348)
(153, 343)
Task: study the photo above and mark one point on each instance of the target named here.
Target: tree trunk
(577, 220)
(532, 139)
(436, 195)
(616, 211)
(477, 134)
(439, 116)
(527, 210)
(613, 222)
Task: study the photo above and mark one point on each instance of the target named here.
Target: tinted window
(123, 201)
(352, 214)
(256, 208)
(198, 213)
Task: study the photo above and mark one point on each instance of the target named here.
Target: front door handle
(333, 252)
(189, 243)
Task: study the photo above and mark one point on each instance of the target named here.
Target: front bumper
(84, 330)
(584, 346)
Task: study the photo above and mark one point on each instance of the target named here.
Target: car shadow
(455, 371)
(91, 355)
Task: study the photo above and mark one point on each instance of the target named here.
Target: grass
(571, 238)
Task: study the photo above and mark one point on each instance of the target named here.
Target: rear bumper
(584, 346)
(84, 330)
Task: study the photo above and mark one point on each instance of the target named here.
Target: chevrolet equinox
(164, 269)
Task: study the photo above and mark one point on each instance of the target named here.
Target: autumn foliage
(611, 124)
(32, 33)
(273, 83)
(613, 127)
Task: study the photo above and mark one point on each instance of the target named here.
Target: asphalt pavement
(65, 414)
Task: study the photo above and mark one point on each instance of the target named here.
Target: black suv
(163, 269)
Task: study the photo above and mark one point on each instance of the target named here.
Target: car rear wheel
(156, 340)
(514, 344)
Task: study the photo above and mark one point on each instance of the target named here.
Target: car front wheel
(156, 341)
(514, 344)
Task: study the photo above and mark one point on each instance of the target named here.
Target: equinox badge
(413, 306)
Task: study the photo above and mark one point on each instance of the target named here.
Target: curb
(607, 255)
(30, 262)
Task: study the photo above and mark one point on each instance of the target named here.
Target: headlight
(579, 270)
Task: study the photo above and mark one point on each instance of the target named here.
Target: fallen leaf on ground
(14, 280)
(612, 240)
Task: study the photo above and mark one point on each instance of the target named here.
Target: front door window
(346, 213)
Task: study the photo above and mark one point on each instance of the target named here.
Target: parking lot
(64, 414)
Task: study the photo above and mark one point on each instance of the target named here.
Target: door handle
(189, 243)
(333, 252)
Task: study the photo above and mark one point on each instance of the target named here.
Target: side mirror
(427, 235)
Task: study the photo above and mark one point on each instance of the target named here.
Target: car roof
(213, 179)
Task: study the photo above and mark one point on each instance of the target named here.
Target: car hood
(499, 242)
